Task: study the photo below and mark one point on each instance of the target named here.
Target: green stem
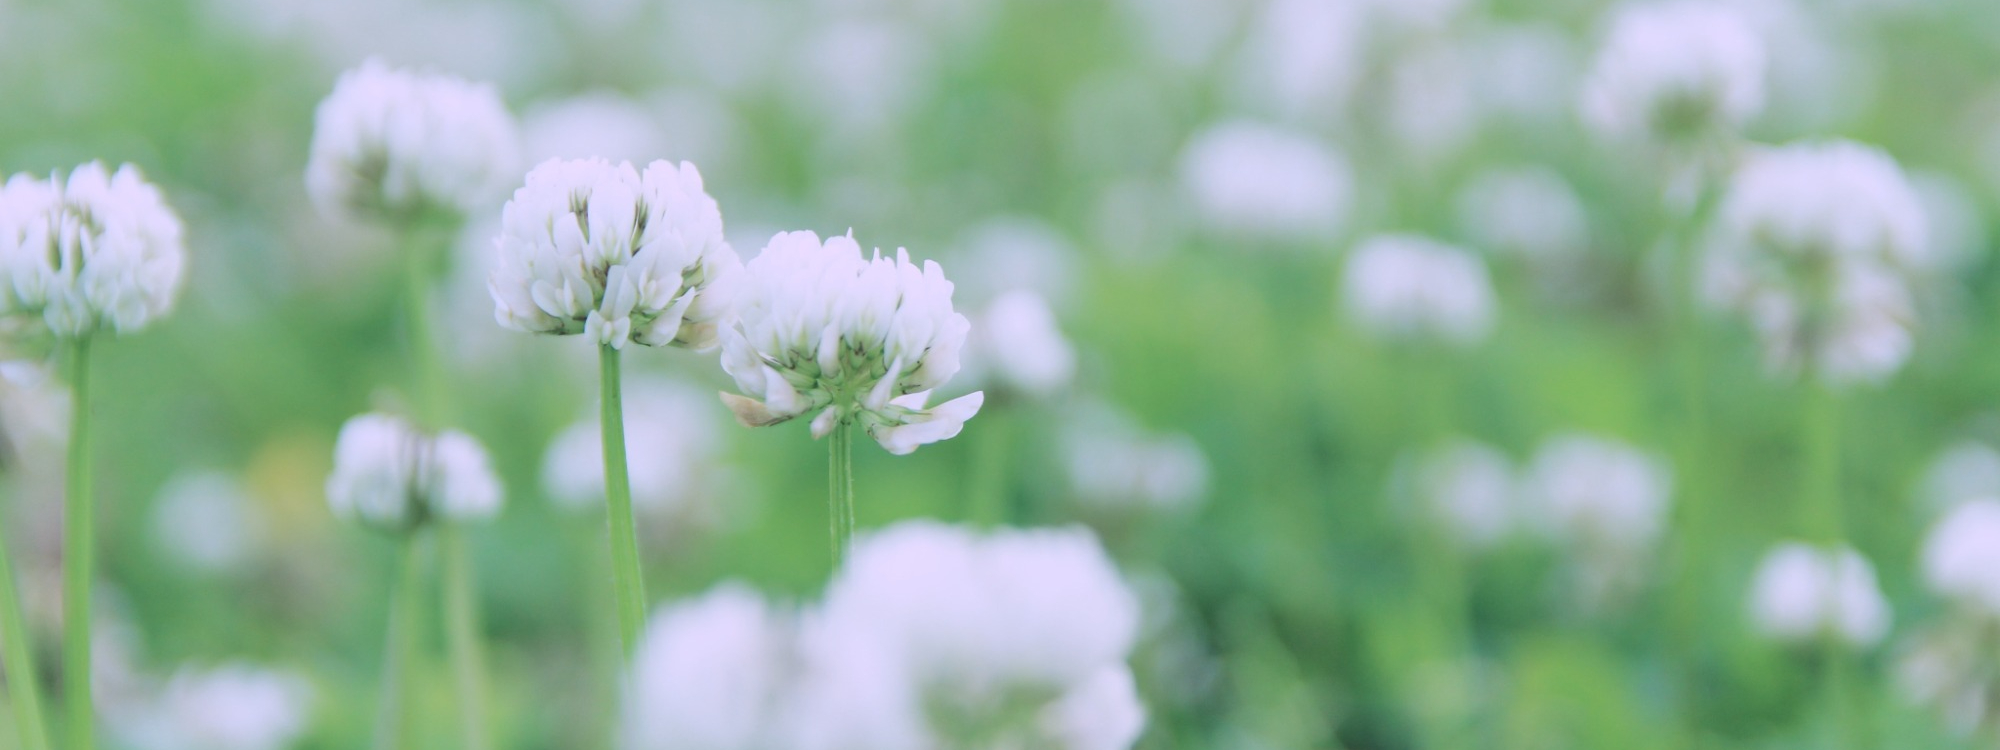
(395, 728)
(79, 553)
(428, 392)
(840, 491)
(462, 627)
(629, 587)
(1822, 506)
(1690, 537)
(18, 660)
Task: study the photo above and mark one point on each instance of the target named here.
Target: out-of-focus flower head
(671, 439)
(1526, 212)
(1113, 464)
(392, 145)
(1968, 470)
(389, 475)
(1266, 182)
(617, 255)
(93, 250)
(1596, 490)
(1675, 73)
(1961, 557)
(1470, 488)
(235, 707)
(711, 674)
(207, 521)
(595, 124)
(1802, 593)
(1302, 57)
(824, 331)
(1950, 668)
(1815, 244)
(1400, 287)
(1017, 348)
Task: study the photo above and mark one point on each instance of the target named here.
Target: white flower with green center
(90, 251)
(1675, 72)
(389, 475)
(615, 254)
(393, 144)
(822, 330)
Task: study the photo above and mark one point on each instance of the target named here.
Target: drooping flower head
(1677, 72)
(389, 475)
(91, 251)
(613, 253)
(1399, 287)
(822, 330)
(1802, 593)
(391, 144)
(1816, 244)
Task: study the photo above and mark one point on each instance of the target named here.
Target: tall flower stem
(1690, 523)
(79, 554)
(461, 607)
(840, 491)
(1825, 522)
(395, 730)
(629, 587)
(17, 658)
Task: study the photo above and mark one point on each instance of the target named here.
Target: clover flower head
(389, 475)
(1525, 212)
(1802, 592)
(1267, 182)
(1400, 286)
(391, 144)
(1598, 491)
(1470, 488)
(207, 521)
(1019, 348)
(1116, 465)
(709, 673)
(1961, 557)
(1675, 72)
(232, 707)
(618, 255)
(89, 251)
(1825, 200)
(822, 330)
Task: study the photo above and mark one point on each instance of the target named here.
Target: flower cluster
(614, 253)
(1409, 287)
(392, 144)
(821, 329)
(1802, 593)
(1815, 245)
(389, 475)
(931, 636)
(1018, 348)
(1675, 72)
(86, 252)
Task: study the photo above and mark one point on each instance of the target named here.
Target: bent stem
(468, 663)
(628, 585)
(18, 660)
(840, 491)
(78, 555)
(395, 729)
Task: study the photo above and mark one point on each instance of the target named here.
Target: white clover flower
(1302, 57)
(1863, 336)
(1469, 487)
(980, 624)
(1675, 72)
(1526, 212)
(1018, 347)
(822, 330)
(709, 674)
(92, 251)
(1432, 105)
(1409, 287)
(1961, 556)
(206, 520)
(390, 145)
(232, 707)
(606, 251)
(671, 440)
(388, 475)
(1595, 490)
(1113, 464)
(1802, 592)
(1266, 182)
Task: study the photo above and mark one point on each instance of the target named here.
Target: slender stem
(428, 392)
(18, 660)
(468, 661)
(1690, 533)
(840, 491)
(629, 587)
(1822, 506)
(395, 729)
(79, 553)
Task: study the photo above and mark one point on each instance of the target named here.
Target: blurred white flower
(391, 144)
(1968, 470)
(205, 520)
(1956, 221)
(1950, 669)
(1598, 491)
(1470, 488)
(1675, 72)
(91, 251)
(1302, 57)
(1432, 108)
(1018, 348)
(600, 124)
(671, 441)
(233, 707)
(388, 475)
(1961, 556)
(1814, 245)
(823, 330)
(1399, 286)
(1115, 465)
(710, 674)
(1011, 253)
(1528, 212)
(1802, 592)
(1266, 182)
(857, 77)
(616, 255)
